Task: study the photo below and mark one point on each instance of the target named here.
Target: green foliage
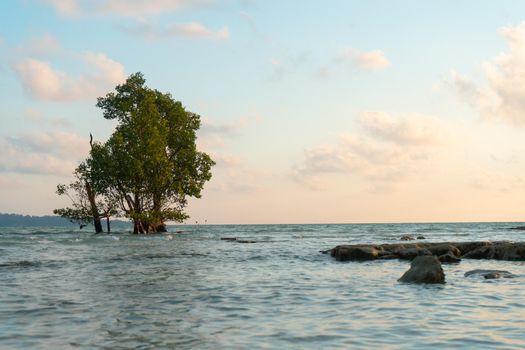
(76, 216)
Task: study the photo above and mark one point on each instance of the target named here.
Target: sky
(333, 111)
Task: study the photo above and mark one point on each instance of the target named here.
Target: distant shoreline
(12, 219)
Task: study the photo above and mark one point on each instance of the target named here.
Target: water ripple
(63, 289)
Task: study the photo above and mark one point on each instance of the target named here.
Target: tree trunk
(94, 209)
(107, 223)
(145, 227)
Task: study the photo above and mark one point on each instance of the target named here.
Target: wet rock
(421, 237)
(500, 250)
(346, 253)
(411, 253)
(478, 253)
(466, 247)
(388, 257)
(424, 269)
(228, 238)
(508, 251)
(489, 274)
(245, 241)
(407, 238)
(449, 258)
(518, 228)
(442, 249)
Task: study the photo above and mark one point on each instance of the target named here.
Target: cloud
(35, 116)
(57, 143)
(66, 7)
(409, 129)
(395, 148)
(503, 95)
(238, 179)
(55, 153)
(43, 82)
(368, 61)
(42, 45)
(191, 30)
(227, 161)
(498, 182)
(371, 60)
(123, 8)
(229, 128)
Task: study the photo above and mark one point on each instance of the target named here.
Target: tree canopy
(150, 165)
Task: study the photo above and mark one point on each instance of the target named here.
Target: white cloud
(408, 129)
(396, 148)
(503, 95)
(58, 143)
(44, 82)
(372, 60)
(36, 117)
(66, 7)
(54, 153)
(227, 161)
(42, 45)
(225, 129)
(191, 30)
(238, 179)
(124, 8)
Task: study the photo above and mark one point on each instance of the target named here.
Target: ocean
(188, 289)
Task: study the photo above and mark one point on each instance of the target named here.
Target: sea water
(188, 289)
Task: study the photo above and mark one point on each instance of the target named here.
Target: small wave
(21, 263)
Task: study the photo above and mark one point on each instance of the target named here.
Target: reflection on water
(192, 290)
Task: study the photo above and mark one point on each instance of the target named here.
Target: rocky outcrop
(502, 251)
(346, 253)
(489, 274)
(447, 251)
(424, 269)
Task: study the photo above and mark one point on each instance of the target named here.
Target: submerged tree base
(147, 228)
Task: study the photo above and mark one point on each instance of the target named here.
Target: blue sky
(316, 111)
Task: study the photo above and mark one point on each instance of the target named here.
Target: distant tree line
(147, 168)
(30, 220)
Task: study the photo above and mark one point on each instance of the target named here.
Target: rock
(421, 237)
(478, 253)
(388, 257)
(411, 253)
(490, 274)
(508, 251)
(245, 241)
(466, 247)
(501, 250)
(449, 258)
(424, 269)
(346, 253)
(407, 238)
(228, 238)
(442, 249)
(519, 228)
